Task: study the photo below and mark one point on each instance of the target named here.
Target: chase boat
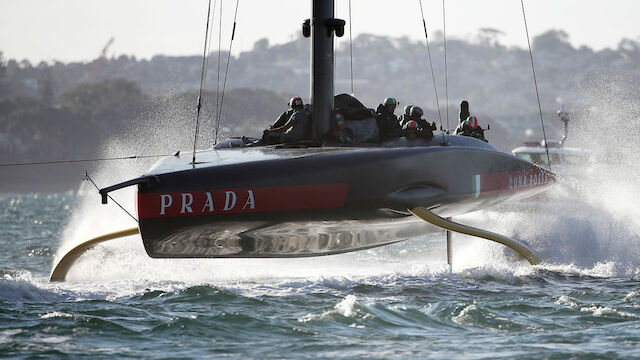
(567, 162)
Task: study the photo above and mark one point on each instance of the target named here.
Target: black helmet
(296, 101)
(416, 112)
(407, 109)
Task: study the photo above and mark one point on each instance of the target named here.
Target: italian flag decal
(475, 185)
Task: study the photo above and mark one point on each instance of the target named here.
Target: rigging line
(351, 47)
(433, 76)
(446, 71)
(87, 177)
(226, 73)
(219, 62)
(206, 67)
(83, 160)
(202, 80)
(535, 82)
(208, 49)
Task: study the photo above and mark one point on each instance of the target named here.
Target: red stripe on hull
(223, 201)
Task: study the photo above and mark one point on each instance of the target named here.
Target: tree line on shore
(57, 110)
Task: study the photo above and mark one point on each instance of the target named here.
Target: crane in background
(99, 60)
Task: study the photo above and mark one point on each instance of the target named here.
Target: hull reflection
(292, 239)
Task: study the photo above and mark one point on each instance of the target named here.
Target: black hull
(313, 203)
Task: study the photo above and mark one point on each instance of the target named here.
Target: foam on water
(605, 310)
(347, 308)
(57, 314)
(566, 301)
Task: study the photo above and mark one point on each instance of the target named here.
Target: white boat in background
(564, 160)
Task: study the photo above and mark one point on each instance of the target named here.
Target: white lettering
(187, 200)
(209, 203)
(165, 204)
(250, 201)
(230, 200)
(520, 181)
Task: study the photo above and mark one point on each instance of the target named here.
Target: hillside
(78, 110)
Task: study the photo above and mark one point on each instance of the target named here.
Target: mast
(322, 28)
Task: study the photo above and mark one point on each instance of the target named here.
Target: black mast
(321, 29)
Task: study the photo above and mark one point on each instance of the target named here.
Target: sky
(77, 30)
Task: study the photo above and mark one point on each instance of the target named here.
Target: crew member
(404, 118)
(410, 130)
(468, 124)
(425, 129)
(295, 104)
(387, 121)
(297, 128)
(471, 128)
(342, 133)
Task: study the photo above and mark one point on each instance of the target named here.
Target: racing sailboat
(250, 200)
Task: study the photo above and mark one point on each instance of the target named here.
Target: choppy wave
(18, 290)
(320, 316)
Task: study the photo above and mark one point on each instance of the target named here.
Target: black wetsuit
(283, 118)
(425, 130)
(465, 130)
(387, 123)
(300, 123)
(403, 119)
(299, 126)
